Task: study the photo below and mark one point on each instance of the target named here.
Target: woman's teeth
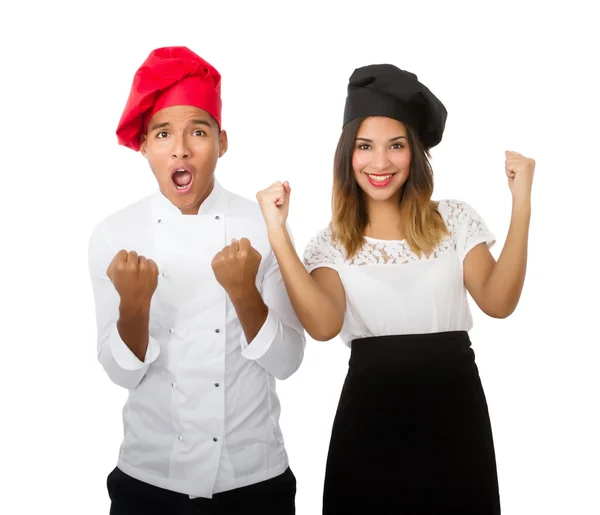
(380, 178)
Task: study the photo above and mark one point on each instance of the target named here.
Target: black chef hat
(385, 90)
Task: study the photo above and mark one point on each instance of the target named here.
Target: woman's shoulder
(323, 244)
(454, 210)
(463, 220)
(451, 205)
(455, 213)
(323, 238)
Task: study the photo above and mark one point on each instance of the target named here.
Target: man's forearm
(134, 330)
(251, 310)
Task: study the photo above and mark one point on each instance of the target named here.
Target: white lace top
(391, 290)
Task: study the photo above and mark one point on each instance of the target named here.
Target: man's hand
(236, 266)
(135, 278)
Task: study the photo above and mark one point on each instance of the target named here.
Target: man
(192, 313)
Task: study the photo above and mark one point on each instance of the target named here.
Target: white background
(520, 78)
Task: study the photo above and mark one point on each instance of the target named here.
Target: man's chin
(188, 206)
(188, 200)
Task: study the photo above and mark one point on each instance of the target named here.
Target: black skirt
(412, 432)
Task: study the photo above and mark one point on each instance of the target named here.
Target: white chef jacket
(202, 414)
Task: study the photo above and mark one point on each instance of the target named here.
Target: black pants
(130, 496)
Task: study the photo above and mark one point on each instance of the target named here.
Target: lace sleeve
(468, 227)
(321, 252)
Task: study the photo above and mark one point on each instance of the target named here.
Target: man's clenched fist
(135, 278)
(236, 266)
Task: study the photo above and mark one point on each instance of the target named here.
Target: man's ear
(143, 145)
(222, 143)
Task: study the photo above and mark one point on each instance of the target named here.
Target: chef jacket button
(217, 330)
(217, 217)
(172, 331)
(217, 385)
(179, 437)
(173, 384)
(215, 439)
(159, 220)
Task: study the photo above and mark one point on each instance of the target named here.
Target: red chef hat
(170, 76)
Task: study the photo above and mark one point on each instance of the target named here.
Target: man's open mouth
(182, 179)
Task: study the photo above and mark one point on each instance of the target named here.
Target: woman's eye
(397, 146)
(364, 146)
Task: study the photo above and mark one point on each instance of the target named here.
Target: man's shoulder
(240, 205)
(137, 211)
(241, 201)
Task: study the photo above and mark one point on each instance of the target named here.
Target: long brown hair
(422, 223)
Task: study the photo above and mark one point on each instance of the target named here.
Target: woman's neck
(385, 221)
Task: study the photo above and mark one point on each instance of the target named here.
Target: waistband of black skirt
(440, 345)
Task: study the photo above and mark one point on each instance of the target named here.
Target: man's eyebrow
(159, 126)
(201, 122)
(166, 124)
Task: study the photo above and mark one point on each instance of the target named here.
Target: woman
(412, 432)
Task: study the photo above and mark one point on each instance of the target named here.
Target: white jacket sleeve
(121, 365)
(279, 345)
